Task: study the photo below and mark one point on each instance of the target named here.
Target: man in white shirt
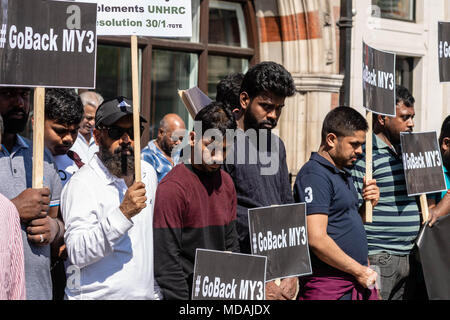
(109, 216)
(85, 145)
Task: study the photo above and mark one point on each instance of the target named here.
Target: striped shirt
(396, 218)
(12, 267)
(153, 155)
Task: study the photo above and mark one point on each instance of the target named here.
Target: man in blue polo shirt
(336, 233)
(440, 202)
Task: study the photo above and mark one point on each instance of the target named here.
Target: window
(227, 21)
(223, 41)
(114, 71)
(396, 9)
(223, 66)
(404, 68)
(171, 71)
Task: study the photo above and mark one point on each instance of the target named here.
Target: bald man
(162, 153)
(85, 145)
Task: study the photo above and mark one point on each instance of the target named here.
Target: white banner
(153, 18)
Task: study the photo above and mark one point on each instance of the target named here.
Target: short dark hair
(228, 90)
(343, 122)
(403, 94)
(445, 130)
(216, 116)
(268, 77)
(63, 105)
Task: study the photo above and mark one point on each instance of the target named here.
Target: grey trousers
(393, 271)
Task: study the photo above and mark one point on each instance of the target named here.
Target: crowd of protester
(94, 232)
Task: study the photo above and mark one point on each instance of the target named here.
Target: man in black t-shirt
(258, 162)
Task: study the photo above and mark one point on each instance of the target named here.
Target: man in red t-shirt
(195, 205)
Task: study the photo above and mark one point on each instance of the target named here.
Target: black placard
(378, 81)
(422, 163)
(48, 43)
(222, 275)
(280, 234)
(434, 249)
(444, 51)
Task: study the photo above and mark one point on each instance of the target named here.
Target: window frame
(411, 63)
(413, 13)
(202, 48)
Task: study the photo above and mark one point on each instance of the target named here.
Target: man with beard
(439, 203)
(195, 205)
(396, 225)
(108, 215)
(336, 235)
(85, 145)
(38, 208)
(162, 153)
(261, 176)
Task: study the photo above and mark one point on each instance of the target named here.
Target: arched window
(224, 40)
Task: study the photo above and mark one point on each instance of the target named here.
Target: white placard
(153, 18)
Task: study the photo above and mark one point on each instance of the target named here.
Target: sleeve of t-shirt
(316, 191)
(52, 179)
(167, 222)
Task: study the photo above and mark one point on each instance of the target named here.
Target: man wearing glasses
(108, 215)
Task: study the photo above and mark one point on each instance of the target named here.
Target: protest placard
(444, 51)
(378, 97)
(378, 81)
(222, 275)
(156, 18)
(434, 250)
(280, 234)
(422, 163)
(48, 44)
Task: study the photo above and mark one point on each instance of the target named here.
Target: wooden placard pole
(38, 138)
(136, 108)
(424, 207)
(369, 208)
